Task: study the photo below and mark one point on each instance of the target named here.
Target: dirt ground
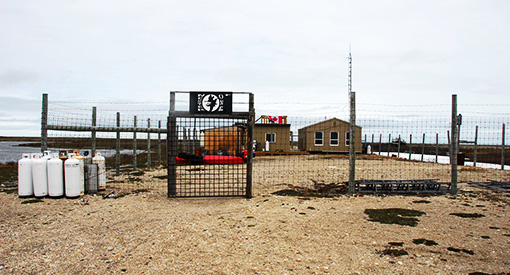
(146, 233)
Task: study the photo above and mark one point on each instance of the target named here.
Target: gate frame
(173, 139)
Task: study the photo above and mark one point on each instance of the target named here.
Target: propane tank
(25, 185)
(73, 183)
(81, 159)
(101, 171)
(55, 177)
(46, 154)
(40, 176)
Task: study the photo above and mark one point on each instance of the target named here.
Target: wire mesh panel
(211, 158)
(210, 146)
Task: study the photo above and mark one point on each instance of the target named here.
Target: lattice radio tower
(350, 71)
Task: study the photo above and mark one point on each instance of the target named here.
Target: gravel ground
(147, 233)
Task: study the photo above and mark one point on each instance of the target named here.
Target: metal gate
(210, 146)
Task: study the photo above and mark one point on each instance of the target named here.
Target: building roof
(325, 121)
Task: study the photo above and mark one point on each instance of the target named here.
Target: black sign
(210, 102)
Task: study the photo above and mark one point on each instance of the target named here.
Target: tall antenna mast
(350, 71)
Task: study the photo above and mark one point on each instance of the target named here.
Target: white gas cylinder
(82, 173)
(73, 176)
(55, 177)
(25, 184)
(40, 176)
(101, 170)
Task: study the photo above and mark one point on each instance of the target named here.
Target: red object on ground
(179, 160)
(214, 159)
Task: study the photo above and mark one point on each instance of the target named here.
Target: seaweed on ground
(394, 216)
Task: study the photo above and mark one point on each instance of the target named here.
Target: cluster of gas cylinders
(61, 174)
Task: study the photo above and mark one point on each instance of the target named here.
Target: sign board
(210, 102)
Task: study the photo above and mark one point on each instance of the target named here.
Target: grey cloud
(14, 77)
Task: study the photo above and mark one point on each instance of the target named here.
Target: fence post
(453, 146)
(398, 147)
(503, 148)
(476, 146)
(44, 123)
(135, 147)
(352, 143)
(380, 140)
(172, 141)
(372, 145)
(389, 144)
(148, 143)
(251, 124)
(437, 146)
(117, 154)
(422, 146)
(93, 132)
(159, 143)
(410, 145)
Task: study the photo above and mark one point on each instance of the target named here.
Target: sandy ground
(148, 233)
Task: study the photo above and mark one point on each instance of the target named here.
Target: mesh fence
(394, 143)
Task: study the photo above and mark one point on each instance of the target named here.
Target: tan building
(331, 135)
(231, 139)
(277, 137)
(224, 140)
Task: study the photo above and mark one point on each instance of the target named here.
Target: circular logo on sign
(210, 103)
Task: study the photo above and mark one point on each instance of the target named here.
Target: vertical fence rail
(135, 146)
(352, 143)
(117, 147)
(454, 145)
(503, 147)
(149, 144)
(44, 123)
(93, 132)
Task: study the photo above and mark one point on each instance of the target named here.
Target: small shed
(277, 136)
(273, 131)
(332, 135)
(224, 140)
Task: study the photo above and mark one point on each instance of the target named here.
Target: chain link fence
(393, 143)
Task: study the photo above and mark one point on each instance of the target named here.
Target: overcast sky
(404, 52)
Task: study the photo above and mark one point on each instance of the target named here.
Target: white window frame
(315, 138)
(274, 137)
(347, 138)
(332, 139)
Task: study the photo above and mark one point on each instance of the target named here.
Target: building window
(270, 137)
(347, 139)
(333, 138)
(319, 138)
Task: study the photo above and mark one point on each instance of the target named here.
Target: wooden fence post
(93, 132)
(398, 147)
(352, 144)
(149, 144)
(503, 148)
(389, 144)
(44, 123)
(410, 145)
(476, 146)
(117, 154)
(437, 146)
(159, 143)
(135, 146)
(380, 144)
(422, 146)
(454, 146)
